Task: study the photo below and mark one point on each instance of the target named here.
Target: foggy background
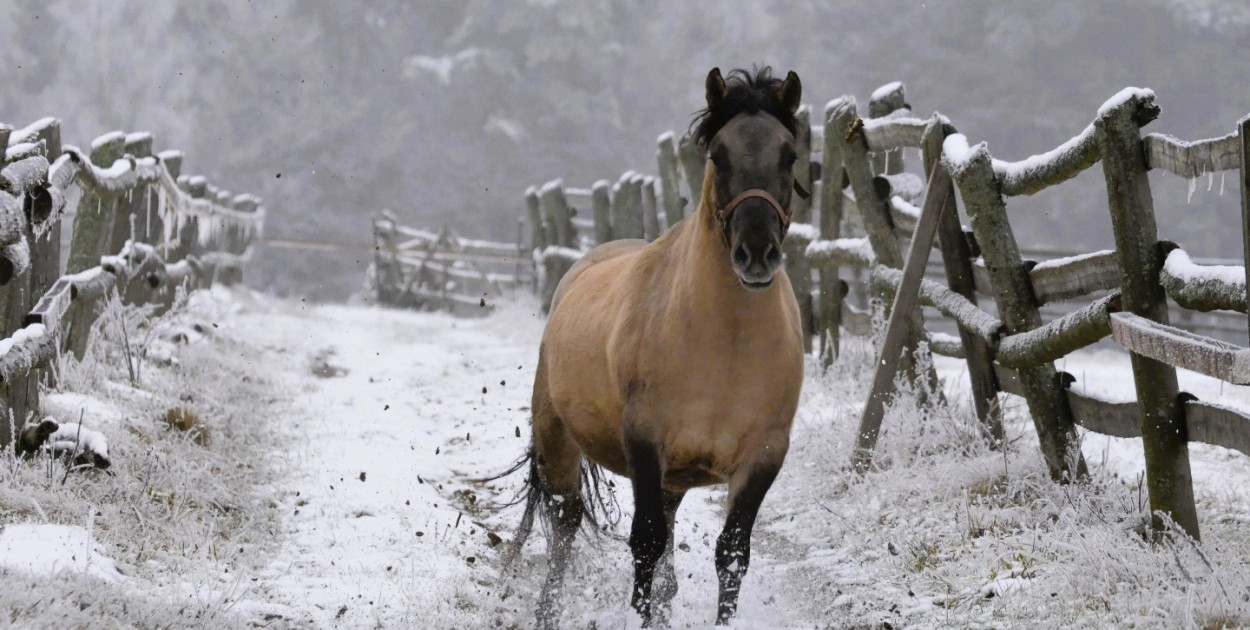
(445, 111)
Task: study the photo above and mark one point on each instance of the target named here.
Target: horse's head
(748, 132)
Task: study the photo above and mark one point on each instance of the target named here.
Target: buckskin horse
(678, 363)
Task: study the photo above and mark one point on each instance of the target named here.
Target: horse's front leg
(649, 532)
(747, 488)
(665, 586)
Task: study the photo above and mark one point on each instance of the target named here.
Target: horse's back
(602, 253)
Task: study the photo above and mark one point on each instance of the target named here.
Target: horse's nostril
(740, 256)
(773, 255)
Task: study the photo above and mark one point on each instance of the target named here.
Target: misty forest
(275, 277)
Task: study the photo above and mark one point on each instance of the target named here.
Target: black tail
(602, 510)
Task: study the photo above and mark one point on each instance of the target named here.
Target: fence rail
(440, 270)
(141, 229)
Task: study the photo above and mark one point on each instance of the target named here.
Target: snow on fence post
(693, 163)
(538, 232)
(831, 286)
(550, 226)
(1243, 150)
(558, 215)
(884, 101)
(93, 223)
(650, 213)
(131, 203)
(1164, 435)
(627, 207)
(973, 171)
(957, 260)
(45, 247)
(601, 202)
(666, 162)
(92, 233)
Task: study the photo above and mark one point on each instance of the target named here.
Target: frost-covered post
(650, 213)
(1243, 149)
(803, 164)
(551, 232)
(538, 232)
(693, 165)
(91, 237)
(132, 204)
(557, 214)
(93, 223)
(627, 207)
(601, 202)
(797, 267)
(831, 197)
(973, 171)
(874, 213)
(1164, 434)
(666, 161)
(45, 247)
(957, 260)
(884, 101)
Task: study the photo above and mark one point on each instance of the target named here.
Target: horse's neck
(707, 284)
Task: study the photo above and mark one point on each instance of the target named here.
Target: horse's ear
(716, 89)
(791, 92)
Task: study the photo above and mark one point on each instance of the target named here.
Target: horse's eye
(789, 159)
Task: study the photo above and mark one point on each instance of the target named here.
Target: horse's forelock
(749, 92)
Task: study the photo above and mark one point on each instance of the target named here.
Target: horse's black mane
(749, 93)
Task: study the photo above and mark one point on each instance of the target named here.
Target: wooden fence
(441, 270)
(141, 228)
(864, 212)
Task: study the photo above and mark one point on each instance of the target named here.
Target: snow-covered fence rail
(1140, 275)
(441, 270)
(139, 227)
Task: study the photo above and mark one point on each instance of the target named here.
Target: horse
(678, 363)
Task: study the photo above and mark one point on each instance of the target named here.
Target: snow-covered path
(394, 412)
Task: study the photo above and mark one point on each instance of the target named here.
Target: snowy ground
(381, 419)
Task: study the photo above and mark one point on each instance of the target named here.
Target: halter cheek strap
(722, 217)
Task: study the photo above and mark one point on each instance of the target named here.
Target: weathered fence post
(92, 236)
(1164, 434)
(797, 267)
(386, 274)
(1243, 146)
(1013, 291)
(538, 232)
(957, 260)
(131, 203)
(627, 219)
(693, 164)
(601, 201)
(666, 162)
(555, 230)
(831, 197)
(906, 301)
(874, 213)
(884, 101)
(650, 214)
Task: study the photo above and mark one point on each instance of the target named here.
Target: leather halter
(722, 217)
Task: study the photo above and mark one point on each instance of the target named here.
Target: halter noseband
(722, 217)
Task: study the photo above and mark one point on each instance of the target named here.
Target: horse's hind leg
(747, 488)
(559, 471)
(665, 585)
